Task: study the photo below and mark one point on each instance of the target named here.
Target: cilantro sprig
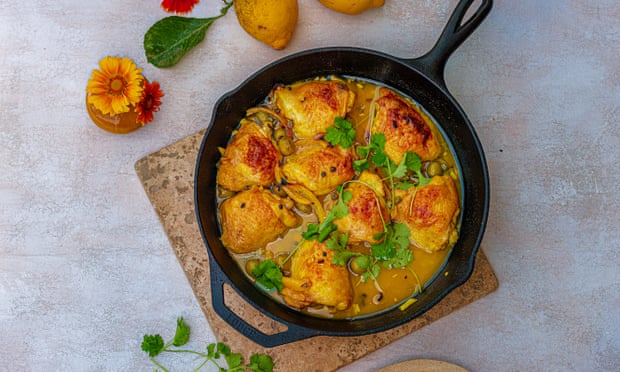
(268, 275)
(154, 345)
(397, 175)
(392, 247)
(322, 231)
(341, 133)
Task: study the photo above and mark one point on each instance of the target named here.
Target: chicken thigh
(312, 106)
(316, 280)
(432, 214)
(367, 213)
(405, 128)
(253, 218)
(318, 166)
(249, 159)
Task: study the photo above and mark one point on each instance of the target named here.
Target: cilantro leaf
(341, 258)
(413, 161)
(401, 234)
(393, 251)
(312, 232)
(268, 275)
(422, 180)
(234, 360)
(401, 169)
(361, 165)
(337, 242)
(153, 344)
(341, 133)
(404, 185)
(261, 363)
(384, 250)
(181, 335)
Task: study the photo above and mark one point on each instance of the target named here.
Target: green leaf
(337, 242)
(383, 251)
(170, 38)
(261, 363)
(404, 185)
(378, 141)
(361, 165)
(234, 360)
(341, 258)
(222, 348)
(422, 180)
(363, 151)
(153, 344)
(341, 133)
(401, 169)
(380, 159)
(312, 232)
(413, 161)
(401, 234)
(268, 275)
(325, 231)
(181, 335)
(211, 350)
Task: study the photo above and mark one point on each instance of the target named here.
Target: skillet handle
(291, 334)
(455, 32)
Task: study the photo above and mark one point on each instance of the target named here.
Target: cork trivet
(168, 179)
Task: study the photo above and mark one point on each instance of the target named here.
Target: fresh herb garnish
(396, 174)
(392, 247)
(393, 250)
(154, 345)
(341, 133)
(170, 38)
(321, 231)
(268, 275)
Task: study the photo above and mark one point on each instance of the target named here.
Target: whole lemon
(269, 21)
(352, 6)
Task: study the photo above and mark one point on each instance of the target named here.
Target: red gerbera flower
(149, 102)
(178, 6)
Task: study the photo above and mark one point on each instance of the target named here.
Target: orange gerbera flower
(149, 102)
(116, 86)
(178, 6)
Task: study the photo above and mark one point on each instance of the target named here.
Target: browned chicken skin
(367, 213)
(405, 129)
(249, 159)
(253, 218)
(318, 166)
(312, 106)
(316, 280)
(432, 216)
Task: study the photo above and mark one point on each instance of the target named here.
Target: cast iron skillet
(422, 79)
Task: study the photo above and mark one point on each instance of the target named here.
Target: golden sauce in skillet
(396, 285)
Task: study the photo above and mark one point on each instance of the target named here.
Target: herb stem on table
(154, 345)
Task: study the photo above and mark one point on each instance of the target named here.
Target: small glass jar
(119, 124)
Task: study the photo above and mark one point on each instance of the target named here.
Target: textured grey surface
(86, 270)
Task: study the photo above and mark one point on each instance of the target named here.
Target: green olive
(355, 266)
(279, 133)
(286, 146)
(250, 265)
(434, 169)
